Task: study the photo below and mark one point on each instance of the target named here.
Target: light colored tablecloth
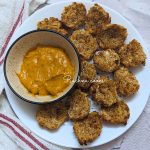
(138, 137)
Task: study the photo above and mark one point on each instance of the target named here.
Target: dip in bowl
(41, 66)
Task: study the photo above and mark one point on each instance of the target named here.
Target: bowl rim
(35, 102)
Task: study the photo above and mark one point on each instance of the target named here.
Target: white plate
(64, 136)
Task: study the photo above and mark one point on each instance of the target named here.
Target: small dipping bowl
(15, 55)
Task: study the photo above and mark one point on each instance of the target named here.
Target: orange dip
(44, 69)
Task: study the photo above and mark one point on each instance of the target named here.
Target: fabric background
(136, 11)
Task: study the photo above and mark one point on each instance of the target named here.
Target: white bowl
(16, 53)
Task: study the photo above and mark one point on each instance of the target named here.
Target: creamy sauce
(44, 69)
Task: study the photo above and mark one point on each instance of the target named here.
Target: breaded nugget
(85, 43)
(111, 36)
(79, 105)
(88, 129)
(118, 113)
(104, 91)
(88, 73)
(74, 15)
(52, 116)
(52, 24)
(107, 60)
(96, 18)
(132, 55)
(127, 84)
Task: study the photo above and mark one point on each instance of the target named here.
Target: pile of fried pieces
(102, 43)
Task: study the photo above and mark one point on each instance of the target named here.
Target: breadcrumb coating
(111, 36)
(88, 129)
(118, 113)
(96, 18)
(127, 84)
(74, 15)
(52, 24)
(85, 43)
(107, 60)
(90, 32)
(79, 105)
(88, 73)
(104, 91)
(52, 116)
(132, 55)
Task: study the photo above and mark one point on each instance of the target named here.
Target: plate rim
(148, 62)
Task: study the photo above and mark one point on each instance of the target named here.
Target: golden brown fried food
(107, 60)
(132, 55)
(118, 113)
(127, 84)
(88, 73)
(85, 43)
(104, 91)
(52, 24)
(74, 15)
(111, 36)
(88, 129)
(96, 18)
(52, 116)
(79, 105)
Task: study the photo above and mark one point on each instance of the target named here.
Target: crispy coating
(85, 43)
(132, 55)
(127, 84)
(107, 60)
(118, 113)
(52, 24)
(79, 105)
(111, 36)
(88, 129)
(52, 116)
(74, 15)
(104, 91)
(96, 18)
(88, 73)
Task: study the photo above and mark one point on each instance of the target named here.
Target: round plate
(64, 136)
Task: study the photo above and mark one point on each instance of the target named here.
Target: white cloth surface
(138, 13)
